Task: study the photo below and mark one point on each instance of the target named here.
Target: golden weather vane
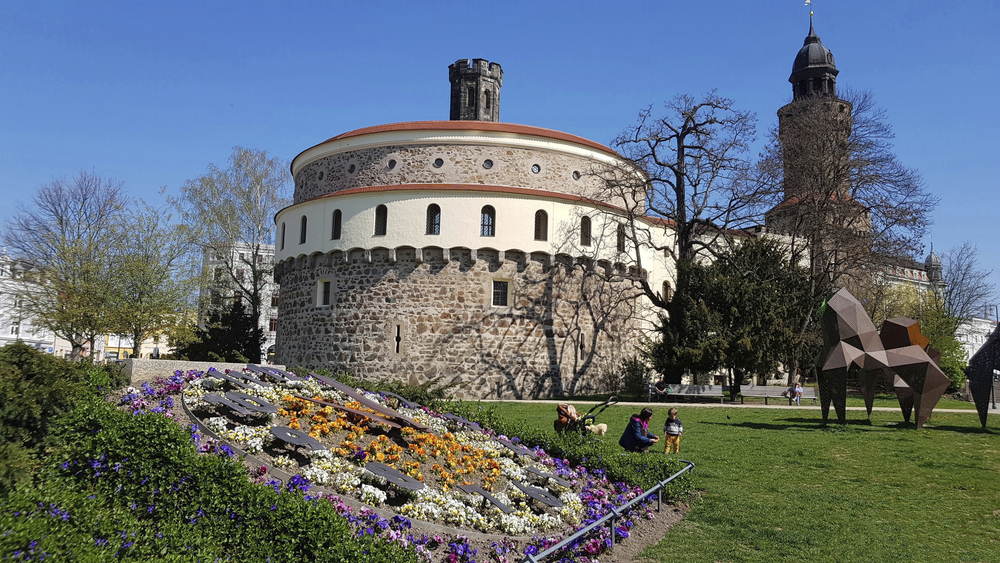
(809, 3)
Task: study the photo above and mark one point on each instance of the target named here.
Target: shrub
(430, 394)
(34, 389)
(151, 496)
(635, 375)
(637, 469)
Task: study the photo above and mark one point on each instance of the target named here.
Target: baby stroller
(571, 421)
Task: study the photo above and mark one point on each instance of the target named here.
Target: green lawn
(778, 486)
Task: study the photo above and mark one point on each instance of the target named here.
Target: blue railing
(613, 515)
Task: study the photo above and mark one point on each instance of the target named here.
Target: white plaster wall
(460, 226)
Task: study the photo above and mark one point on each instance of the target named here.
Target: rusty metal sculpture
(851, 342)
(916, 364)
(980, 373)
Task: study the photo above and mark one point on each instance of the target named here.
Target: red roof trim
(489, 126)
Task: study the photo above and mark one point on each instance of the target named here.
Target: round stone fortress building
(467, 249)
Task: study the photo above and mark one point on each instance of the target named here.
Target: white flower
(284, 462)
(371, 495)
(217, 424)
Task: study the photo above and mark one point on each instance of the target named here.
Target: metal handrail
(613, 515)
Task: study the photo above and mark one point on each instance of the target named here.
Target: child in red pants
(673, 430)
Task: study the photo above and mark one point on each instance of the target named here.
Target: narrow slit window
(585, 231)
(302, 230)
(541, 225)
(488, 222)
(433, 219)
(282, 236)
(381, 220)
(337, 218)
(324, 292)
(621, 238)
(398, 338)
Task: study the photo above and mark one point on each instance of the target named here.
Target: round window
(438, 163)
(536, 168)
(487, 163)
(321, 174)
(351, 169)
(392, 164)
(576, 175)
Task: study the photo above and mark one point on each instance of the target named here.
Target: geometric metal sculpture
(912, 360)
(980, 373)
(850, 342)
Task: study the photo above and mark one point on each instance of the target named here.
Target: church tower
(814, 133)
(475, 90)
(935, 274)
(815, 127)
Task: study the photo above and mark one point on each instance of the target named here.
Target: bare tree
(231, 213)
(691, 183)
(968, 290)
(849, 203)
(67, 234)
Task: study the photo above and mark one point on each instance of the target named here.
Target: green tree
(689, 338)
(758, 296)
(738, 314)
(936, 323)
(228, 336)
(147, 292)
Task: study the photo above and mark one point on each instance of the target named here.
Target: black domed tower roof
(813, 72)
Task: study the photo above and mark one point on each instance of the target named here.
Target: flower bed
(536, 498)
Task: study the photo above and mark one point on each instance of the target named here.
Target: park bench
(708, 391)
(774, 392)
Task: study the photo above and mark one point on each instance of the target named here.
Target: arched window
(282, 236)
(302, 230)
(666, 291)
(488, 222)
(621, 238)
(381, 220)
(585, 231)
(541, 225)
(337, 218)
(433, 219)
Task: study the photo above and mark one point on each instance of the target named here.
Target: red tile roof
(488, 126)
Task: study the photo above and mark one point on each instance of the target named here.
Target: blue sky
(150, 93)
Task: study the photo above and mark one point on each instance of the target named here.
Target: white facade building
(218, 292)
(15, 323)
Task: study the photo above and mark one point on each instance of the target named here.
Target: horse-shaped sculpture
(851, 343)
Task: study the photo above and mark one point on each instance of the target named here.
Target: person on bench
(661, 389)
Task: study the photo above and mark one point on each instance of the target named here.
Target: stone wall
(416, 320)
(460, 164)
(140, 371)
